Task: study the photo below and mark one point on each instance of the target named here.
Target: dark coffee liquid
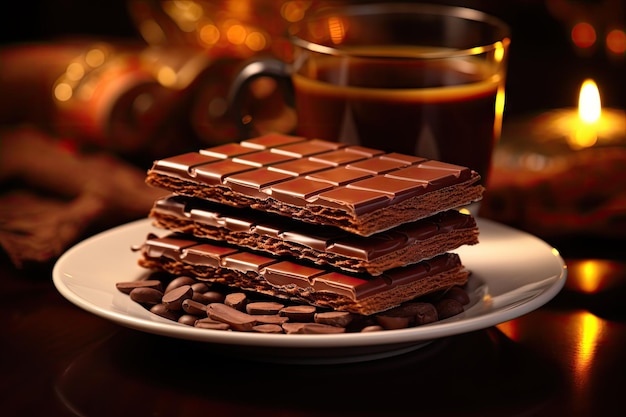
(429, 109)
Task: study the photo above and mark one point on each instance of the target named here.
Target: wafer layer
(323, 245)
(357, 293)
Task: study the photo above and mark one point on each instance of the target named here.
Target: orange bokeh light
(616, 41)
(583, 35)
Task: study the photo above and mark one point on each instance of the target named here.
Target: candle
(588, 125)
(561, 173)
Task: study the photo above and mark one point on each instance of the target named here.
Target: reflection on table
(565, 358)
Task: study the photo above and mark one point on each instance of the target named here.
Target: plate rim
(444, 328)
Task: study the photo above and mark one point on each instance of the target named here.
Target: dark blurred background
(546, 67)
(556, 45)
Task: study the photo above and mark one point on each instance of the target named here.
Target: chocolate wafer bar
(284, 278)
(323, 245)
(358, 189)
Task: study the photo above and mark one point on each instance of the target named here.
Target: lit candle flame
(589, 125)
(589, 113)
(589, 105)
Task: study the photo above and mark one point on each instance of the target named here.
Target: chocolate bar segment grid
(357, 189)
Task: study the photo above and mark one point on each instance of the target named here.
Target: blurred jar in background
(168, 92)
(94, 94)
(227, 33)
(109, 97)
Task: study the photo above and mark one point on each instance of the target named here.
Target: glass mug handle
(273, 68)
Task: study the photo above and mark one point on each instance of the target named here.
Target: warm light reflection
(498, 53)
(336, 29)
(589, 276)
(511, 329)
(499, 111)
(240, 8)
(167, 76)
(256, 41)
(236, 34)
(593, 276)
(75, 71)
(477, 50)
(184, 13)
(95, 57)
(152, 32)
(293, 11)
(63, 92)
(209, 34)
(588, 330)
(582, 333)
(583, 35)
(228, 28)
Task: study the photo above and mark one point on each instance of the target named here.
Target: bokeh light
(616, 41)
(583, 35)
(209, 34)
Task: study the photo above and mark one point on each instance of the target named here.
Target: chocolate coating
(319, 181)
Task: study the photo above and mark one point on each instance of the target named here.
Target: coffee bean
(264, 307)
(236, 300)
(238, 320)
(448, 307)
(127, 287)
(311, 328)
(209, 297)
(459, 294)
(299, 313)
(270, 318)
(393, 322)
(212, 306)
(178, 282)
(146, 295)
(174, 298)
(162, 310)
(200, 287)
(334, 318)
(193, 307)
(424, 313)
(209, 323)
(372, 328)
(188, 319)
(268, 328)
(416, 313)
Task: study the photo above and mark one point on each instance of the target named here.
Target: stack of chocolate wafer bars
(323, 223)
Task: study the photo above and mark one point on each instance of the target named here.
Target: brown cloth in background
(52, 197)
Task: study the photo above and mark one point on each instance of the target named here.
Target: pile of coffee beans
(213, 306)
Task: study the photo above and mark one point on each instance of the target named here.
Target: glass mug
(412, 78)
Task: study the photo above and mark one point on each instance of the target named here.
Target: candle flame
(589, 105)
(589, 113)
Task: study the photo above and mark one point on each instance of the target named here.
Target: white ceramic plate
(513, 273)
